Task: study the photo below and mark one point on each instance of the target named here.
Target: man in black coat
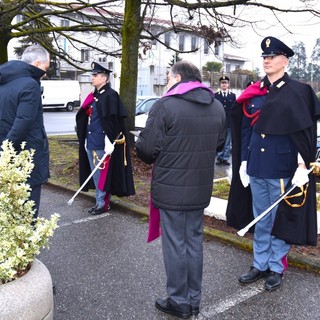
(99, 122)
(21, 114)
(227, 98)
(275, 126)
(182, 133)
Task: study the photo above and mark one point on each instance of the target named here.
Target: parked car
(140, 121)
(144, 103)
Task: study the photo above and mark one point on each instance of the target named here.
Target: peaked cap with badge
(272, 46)
(224, 78)
(98, 68)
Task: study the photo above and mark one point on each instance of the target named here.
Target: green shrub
(22, 237)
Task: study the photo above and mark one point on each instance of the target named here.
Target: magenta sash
(154, 231)
(104, 173)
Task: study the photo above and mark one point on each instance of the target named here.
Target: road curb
(295, 259)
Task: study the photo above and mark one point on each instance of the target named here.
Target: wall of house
(153, 65)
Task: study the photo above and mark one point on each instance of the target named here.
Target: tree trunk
(131, 31)
(8, 11)
(4, 47)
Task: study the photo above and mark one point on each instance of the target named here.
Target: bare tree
(135, 26)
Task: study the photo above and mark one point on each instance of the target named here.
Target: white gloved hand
(108, 146)
(243, 174)
(301, 177)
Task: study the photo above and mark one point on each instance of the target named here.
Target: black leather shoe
(226, 162)
(92, 209)
(273, 281)
(194, 311)
(219, 162)
(98, 211)
(252, 275)
(164, 305)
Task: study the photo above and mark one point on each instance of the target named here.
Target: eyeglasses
(224, 82)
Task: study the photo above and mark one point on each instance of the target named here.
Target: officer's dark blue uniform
(270, 154)
(100, 122)
(227, 98)
(269, 159)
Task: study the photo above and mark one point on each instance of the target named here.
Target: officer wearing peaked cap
(99, 121)
(274, 130)
(227, 98)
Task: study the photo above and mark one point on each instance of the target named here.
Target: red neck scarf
(245, 97)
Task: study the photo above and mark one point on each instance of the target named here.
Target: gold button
(262, 150)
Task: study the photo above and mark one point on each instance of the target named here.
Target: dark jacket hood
(193, 91)
(18, 69)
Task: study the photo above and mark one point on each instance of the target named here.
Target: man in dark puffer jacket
(21, 114)
(182, 133)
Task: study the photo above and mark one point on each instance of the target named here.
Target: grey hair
(35, 53)
(187, 71)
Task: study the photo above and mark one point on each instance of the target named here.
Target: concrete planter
(29, 297)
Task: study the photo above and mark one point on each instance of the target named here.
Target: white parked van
(60, 94)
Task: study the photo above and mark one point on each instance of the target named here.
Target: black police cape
(112, 115)
(289, 108)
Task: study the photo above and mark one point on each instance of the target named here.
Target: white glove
(301, 177)
(243, 174)
(108, 146)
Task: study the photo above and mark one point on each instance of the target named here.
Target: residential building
(154, 56)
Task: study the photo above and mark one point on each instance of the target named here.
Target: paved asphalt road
(103, 269)
(59, 122)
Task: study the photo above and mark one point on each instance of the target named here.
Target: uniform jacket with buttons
(227, 102)
(268, 156)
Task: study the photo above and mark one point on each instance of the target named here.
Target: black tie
(224, 94)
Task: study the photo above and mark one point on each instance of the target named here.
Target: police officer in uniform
(227, 98)
(99, 121)
(276, 121)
